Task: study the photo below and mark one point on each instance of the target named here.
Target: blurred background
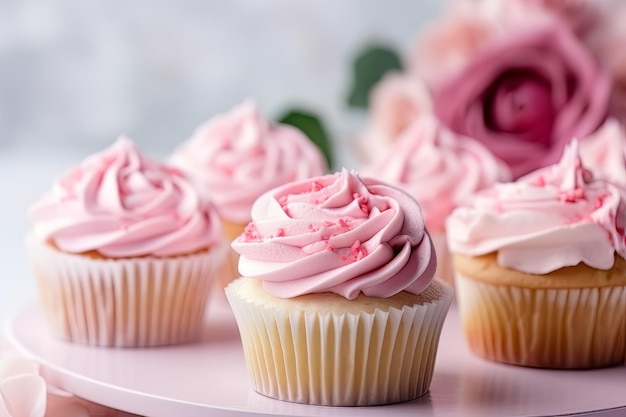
(75, 75)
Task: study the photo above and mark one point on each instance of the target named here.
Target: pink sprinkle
(316, 186)
(579, 193)
(280, 232)
(331, 249)
(540, 181)
(363, 205)
(571, 196)
(343, 222)
(343, 257)
(250, 233)
(358, 251)
(328, 224)
(356, 196)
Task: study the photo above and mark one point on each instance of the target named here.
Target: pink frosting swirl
(438, 168)
(555, 217)
(238, 156)
(122, 204)
(337, 233)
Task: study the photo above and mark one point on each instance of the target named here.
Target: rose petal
(580, 95)
(24, 395)
(17, 365)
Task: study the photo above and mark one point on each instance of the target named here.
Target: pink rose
(526, 97)
(25, 393)
(22, 390)
(581, 16)
(467, 27)
(607, 43)
(450, 43)
(396, 101)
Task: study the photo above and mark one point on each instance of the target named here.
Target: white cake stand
(210, 378)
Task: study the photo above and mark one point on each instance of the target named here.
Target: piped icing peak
(121, 203)
(337, 233)
(555, 217)
(438, 168)
(569, 175)
(237, 156)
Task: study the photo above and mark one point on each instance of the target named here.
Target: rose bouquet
(521, 77)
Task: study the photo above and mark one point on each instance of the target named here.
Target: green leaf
(368, 68)
(312, 126)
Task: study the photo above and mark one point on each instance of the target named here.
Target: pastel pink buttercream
(604, 152)
(438, 168)
(555, 217)
(337, 233)
(121, 203)
(238, 156)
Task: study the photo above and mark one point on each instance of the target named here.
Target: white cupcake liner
(445, 271)
(135, 302)
(547, 328)
(339, 359)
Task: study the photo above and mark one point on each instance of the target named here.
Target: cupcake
(236, 157)
(540, 270)
(338, 267)
(441, 170)
(124, 252)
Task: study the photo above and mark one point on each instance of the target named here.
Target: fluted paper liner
(136, 302)
(547, 328)
(340, 359)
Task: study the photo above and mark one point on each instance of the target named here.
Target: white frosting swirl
(555, 217)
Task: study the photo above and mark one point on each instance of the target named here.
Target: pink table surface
(210, 378)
